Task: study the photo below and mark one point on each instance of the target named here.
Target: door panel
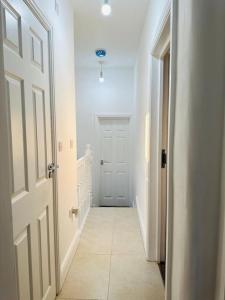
(36, 50)
(107, 147)
(23, 254)
(115, 155)
(17, 117)
(26, 60)
(107, 187)
(12, 29)
(43, 230)
(40, 132)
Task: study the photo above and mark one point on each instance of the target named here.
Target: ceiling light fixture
(101, 77)
(106, 8)
(100, 53)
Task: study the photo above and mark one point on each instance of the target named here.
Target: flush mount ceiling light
(106, 8)
(101, 77)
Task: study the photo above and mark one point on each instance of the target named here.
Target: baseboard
(65, 265)
(64, 268)
(143, 231)
(84, 220)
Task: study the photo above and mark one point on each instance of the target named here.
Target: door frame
(98, 118)
(5, 160)
(164, 38)
(160, 47)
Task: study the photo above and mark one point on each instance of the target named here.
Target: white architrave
(164, 39)
(161, 43)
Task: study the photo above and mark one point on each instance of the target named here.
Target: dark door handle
(163, 159)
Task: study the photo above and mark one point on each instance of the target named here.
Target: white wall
(144, 109)
(198, 208)
(63, 26)
(114, 96)
(198, 142)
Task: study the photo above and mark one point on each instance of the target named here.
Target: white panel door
(114, 162)
(27, 78)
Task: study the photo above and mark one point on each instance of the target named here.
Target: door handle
(102, 162)
(51, 169)
(163, 159)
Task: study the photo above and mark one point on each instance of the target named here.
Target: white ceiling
(119, 33)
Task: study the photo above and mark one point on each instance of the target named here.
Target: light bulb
(106, 9)
(101, 79)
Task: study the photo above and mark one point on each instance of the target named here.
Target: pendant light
(106, 8)
(101, 77)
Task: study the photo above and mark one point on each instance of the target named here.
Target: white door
(26, 59)
(114, 162)
(165, 115)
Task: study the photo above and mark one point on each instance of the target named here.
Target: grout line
(76, 299)
(110, 264)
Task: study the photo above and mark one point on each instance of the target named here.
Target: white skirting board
(143, 231)
(66, 263)
(84, 220)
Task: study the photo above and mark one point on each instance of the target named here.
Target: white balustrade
(84, 188)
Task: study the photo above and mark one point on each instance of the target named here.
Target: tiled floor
(110, 262)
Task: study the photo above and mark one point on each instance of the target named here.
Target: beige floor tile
(97, 234)
(128, 225)
(127, 242)
(76, 299)
(88, 278)
(125, 213)
(104, 212)
(99, 223)
(96, 222)
(127, 237)
(112, 233)
(132, 278)
(95, 241)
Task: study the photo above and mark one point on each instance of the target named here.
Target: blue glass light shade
(100, 53)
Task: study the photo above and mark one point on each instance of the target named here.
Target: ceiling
(119, 33)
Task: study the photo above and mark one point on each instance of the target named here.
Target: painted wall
(144, 108)
(197, 256)
(199, 123)
(114, 96)
(62, 22)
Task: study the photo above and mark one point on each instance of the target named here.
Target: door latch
(163, 159)
(51, 169)
(102, 162)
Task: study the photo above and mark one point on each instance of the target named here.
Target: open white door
(164, 147)
(114, 162)
(27, 78)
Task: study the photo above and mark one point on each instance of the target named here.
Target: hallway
(110, 261)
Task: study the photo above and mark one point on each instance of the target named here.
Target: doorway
(161, 132)
(164, 154)
(114, 161)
